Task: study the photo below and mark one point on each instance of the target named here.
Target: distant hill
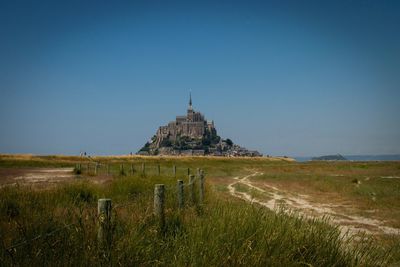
(394, 157)
(330, 157)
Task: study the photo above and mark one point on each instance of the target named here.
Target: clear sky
(296, 78)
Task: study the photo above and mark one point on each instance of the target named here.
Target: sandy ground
(273, 197)
(40, 177)
(35, 176)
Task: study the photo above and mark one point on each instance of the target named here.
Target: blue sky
(296, 78)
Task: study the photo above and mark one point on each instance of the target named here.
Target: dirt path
(44, 177)
(272, 198)
(35, 176)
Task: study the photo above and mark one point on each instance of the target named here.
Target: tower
(190, 101)
(190, 111)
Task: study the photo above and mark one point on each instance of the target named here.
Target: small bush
(11, 208)
(77, 171)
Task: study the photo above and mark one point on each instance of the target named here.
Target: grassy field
(57, 225)
(366, 186)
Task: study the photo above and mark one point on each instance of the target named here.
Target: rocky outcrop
(192, 135)
(330, 157)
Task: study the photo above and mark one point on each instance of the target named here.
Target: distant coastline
(395, 157)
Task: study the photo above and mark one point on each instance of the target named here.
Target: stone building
(193, 126)
(192, 135)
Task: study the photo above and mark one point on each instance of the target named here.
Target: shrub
(77, 171)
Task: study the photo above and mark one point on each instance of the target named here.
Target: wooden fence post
(121, 169)
(198, 171)
(174, 170)
(159, 195)
(132, 170)
(191, 188)
(201, 188)
(79, 167)
(188, 173)
(159, 169)
(88, 168)
(104, 234)
(108, 169)
(180, 194)
(143, 168)
(95, 168)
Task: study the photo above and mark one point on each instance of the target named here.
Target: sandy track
(35, 176)
(348, 224)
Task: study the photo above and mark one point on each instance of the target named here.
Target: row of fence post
(159, 195)
(122, 169)
(104, 207)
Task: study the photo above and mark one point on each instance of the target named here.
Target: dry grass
(225, 231)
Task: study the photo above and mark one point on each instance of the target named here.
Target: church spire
(190, 100)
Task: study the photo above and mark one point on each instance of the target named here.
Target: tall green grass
(220, 232)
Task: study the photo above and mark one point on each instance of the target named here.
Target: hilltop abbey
(192, 134)
(193, 125)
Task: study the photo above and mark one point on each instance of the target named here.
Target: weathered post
(79, 168)
(108, 169)
(88, 168)
(104, 234)
(159, 169)
(191, 188)
(198, 172)
(188, 173)
(143, 169)
(132, 170)
(180, 194)
(201, 188)
(174, 170)
(121, 169)
(95, 168)
(159, 195)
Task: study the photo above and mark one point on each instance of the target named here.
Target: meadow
(57, 225)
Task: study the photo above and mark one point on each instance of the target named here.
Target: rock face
(192, 135)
